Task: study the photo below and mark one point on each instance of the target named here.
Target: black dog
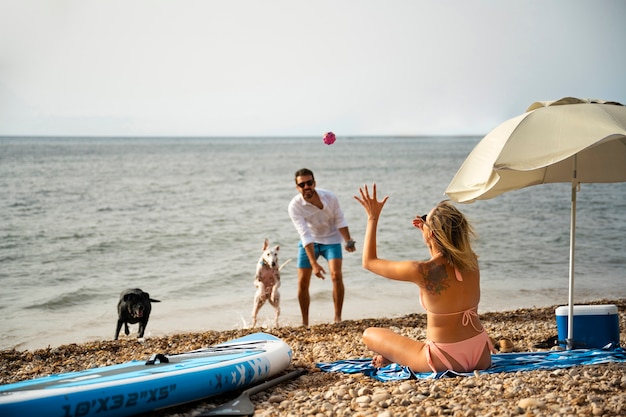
(134, 307)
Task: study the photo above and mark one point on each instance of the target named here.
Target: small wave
(66, 300)
(10, 258)
(75, 236)
(320, 295)
(101, 247)
(616, 261)
(19, 204)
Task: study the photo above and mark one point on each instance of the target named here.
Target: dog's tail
(284, 263)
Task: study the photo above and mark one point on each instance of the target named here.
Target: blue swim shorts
(327, 251)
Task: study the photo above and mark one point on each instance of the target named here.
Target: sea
(184, 219)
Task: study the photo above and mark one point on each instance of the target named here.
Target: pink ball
(329, 138)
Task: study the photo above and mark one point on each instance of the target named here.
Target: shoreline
(167, 320)
(581, 390)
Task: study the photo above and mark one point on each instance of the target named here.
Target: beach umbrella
(568, 140)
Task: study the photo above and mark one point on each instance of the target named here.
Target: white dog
(267, 281)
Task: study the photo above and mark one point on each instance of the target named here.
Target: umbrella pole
(572, 245)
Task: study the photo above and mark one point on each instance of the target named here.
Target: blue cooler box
(595, 326)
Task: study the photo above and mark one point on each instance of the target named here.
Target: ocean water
(184, 219)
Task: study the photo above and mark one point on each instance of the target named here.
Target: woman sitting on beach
(449, 285)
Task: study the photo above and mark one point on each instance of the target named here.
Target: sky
(299, 68)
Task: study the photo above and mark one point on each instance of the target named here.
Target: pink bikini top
(467, 314)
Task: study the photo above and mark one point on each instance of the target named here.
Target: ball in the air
(329, 138)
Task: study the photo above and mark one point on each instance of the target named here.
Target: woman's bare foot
(380, 362)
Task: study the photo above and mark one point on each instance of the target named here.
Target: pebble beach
(590, 390)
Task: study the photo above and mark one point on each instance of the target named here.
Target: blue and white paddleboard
(138, 387)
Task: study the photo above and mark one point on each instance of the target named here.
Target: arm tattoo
(435, 278)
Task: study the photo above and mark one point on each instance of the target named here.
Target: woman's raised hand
(372, 206)
(418, 222)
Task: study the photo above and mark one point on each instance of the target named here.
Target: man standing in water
(322, 227)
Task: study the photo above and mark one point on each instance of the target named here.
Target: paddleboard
(141, 386)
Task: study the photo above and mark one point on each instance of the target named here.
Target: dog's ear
(277, 248)
(266, 244)
(127, 297)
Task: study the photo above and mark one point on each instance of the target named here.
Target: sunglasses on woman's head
(303, 183)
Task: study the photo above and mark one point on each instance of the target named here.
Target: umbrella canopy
(540, 146)
(568, 140)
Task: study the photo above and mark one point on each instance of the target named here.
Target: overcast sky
(293, 68)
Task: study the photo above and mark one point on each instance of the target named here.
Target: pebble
(380, 397)
(531, 403)
(406, 387)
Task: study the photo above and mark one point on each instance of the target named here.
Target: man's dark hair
(304, 172)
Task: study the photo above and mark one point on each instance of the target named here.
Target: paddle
(242, 406)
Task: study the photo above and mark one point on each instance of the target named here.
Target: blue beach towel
(501, 362)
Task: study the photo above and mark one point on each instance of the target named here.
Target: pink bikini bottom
(466, 352)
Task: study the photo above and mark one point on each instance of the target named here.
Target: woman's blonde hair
(453, 234)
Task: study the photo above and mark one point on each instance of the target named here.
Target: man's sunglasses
(303, 183)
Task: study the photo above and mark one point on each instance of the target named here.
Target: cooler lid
(588, 310)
